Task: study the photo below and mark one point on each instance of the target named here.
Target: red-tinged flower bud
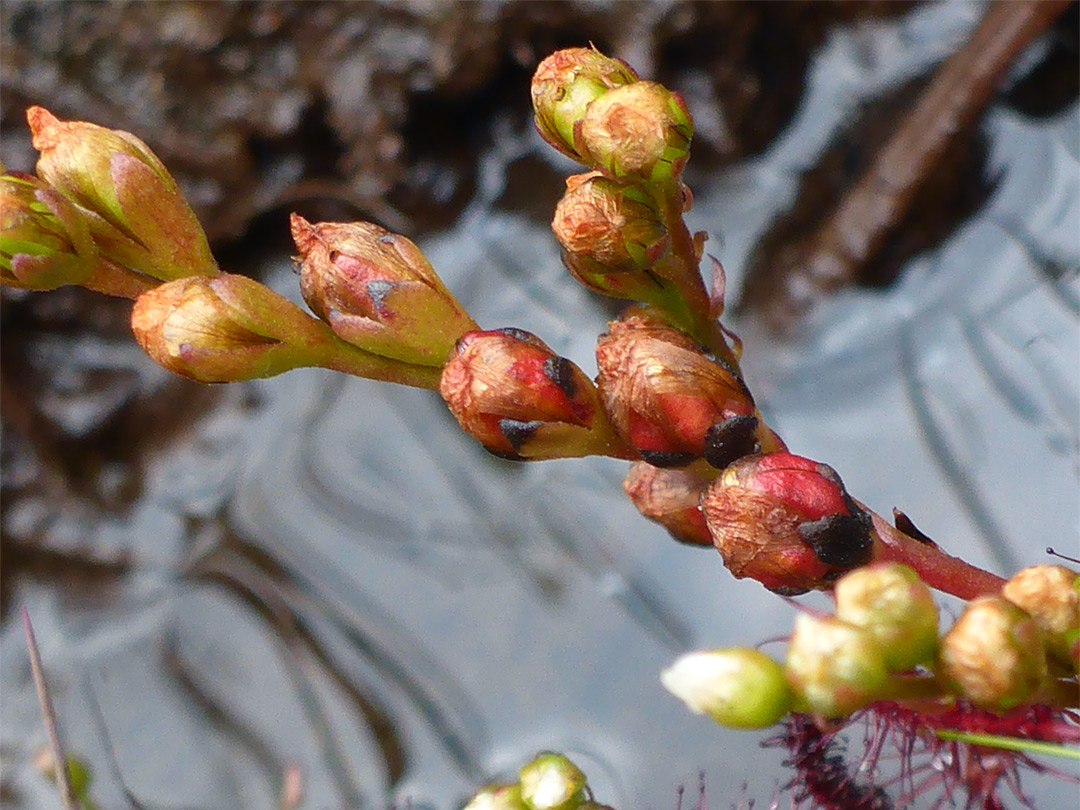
(994, 655)
(787, 522)
(736, 687)
(377, 291)
(139, 218)
(511, 392)
(639, 131)
(612, 236)
(672, 498)
(893, 605)
(670, 398)
(552, 782)
(497, 797)
(1050, 594)
(834, 668)
(564, 85)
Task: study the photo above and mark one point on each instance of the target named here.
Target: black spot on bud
(729, 440)
(386, 238)
(561, 372)
(517, 334)
(840, 540)
(517, 432)
(659, 458)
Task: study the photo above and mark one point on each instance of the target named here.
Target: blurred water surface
(337, 580)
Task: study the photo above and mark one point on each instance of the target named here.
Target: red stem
(936, 568)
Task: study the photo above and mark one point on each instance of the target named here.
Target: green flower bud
(737, 687)
(38, 249)
(45, 243)
(891, 603)
(137, 215)
(229, 328)
(834, 668)
(1050, 594)
(994, 655)
(639, 131)
(377, 291)
(552, 782)
(497, 797)
(564, 85)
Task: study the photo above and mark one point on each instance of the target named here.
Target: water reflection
(325, 574)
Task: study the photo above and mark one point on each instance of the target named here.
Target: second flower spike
(377, 291)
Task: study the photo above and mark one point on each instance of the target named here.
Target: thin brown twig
(56, 748)
(858, 227)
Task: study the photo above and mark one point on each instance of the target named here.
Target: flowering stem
(702, 325)
(338, 355)
(936, 568)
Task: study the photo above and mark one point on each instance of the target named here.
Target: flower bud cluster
(102, 212)
(882, 643)
(615, 222)
(548, 782)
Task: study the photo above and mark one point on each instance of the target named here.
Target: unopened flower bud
(224, 329)
(787, 522)
(1050, 594)
(639, 131)
(510, 391)
(994, 655)
(377, 291)
(45, 243)
(38, 249)
(894, 606)
(834, 668)
(497, 797)
(736, 687)
(670, 398)
(672, 498)
(612, 236)
(552, 782)
(564, 85)
(137, 215)
(228, 328)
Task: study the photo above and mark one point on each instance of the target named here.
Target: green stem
(338, 355)
(1010, 743)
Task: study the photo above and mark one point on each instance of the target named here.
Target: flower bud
(787, 522)
(45, 243)
(612, 235)
(672, 498)
(497, 797)
(38, 249)
(137, 215)
(672, 399)
(224, 329)
(1050, 594)
(564, 85)
(552, 782)
(736, 687)
(639, 131)
(993, 655)
(511, 392)
(893, 605)
(377, 291)
(834, 668)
